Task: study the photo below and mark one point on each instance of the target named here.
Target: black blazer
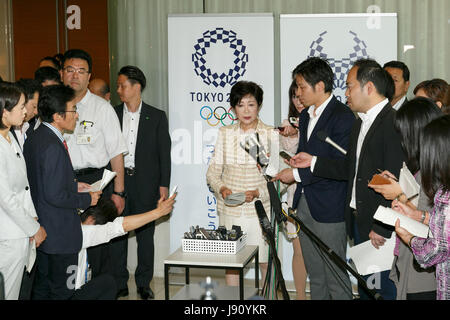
(152, 155)
(325, 197)
(54, 191)
(381, 150)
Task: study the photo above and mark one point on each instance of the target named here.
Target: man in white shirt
(374, 144)
(320, 202)
(400, 74)
(146, 132)
(96, 143)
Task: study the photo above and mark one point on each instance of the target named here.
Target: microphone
(262, 216)
(322, 135)
(276, 203)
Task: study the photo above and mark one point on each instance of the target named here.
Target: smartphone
(285, 155)
(280, 128)
(173, 191)
(293, 121)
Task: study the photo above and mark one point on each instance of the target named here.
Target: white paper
(370, 260)
(31, 255)
(101, 184)
(389, 216)
(408, 184)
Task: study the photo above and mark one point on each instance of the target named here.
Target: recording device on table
(323, 136)
(221, 233)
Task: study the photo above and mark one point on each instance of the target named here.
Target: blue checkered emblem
(231, 76)
(340, 66)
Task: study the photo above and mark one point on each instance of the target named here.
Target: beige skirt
(251, 226)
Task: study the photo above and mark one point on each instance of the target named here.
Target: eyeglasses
(71, 70)
(74, 110)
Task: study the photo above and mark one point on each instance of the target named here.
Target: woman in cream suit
(233, 170)
(18, 219)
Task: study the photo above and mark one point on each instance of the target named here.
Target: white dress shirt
(314, 116)
(367, 120)
(130, 126)
(99, 123)
(399, 103)
(94, 235)
(21, 133)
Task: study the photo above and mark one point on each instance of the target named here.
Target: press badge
(84, 139)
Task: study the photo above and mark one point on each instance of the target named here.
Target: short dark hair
(409, 121)
(437, 90)
(53, 60)
(370, 70)
(105, 89)
(29, 87)
(293, 112)
(77, 54)
(105, 211)
(10, 95)
(242, 88)
(47, 73)
(53, 99)
(134, 75)
(434, 156)
(398, 65)
(314, 70)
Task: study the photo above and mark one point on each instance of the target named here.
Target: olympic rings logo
(220, 114)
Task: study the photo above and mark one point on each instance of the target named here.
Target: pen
(412, 197)
(385, 175)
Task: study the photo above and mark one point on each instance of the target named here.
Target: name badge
(84, 139)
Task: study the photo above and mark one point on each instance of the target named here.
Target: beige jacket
(231, 166)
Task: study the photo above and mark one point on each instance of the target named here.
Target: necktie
(67, 149)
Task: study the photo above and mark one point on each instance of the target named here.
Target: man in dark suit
(400, 74)
(56, 194)
(320, 202)
(374, 144)
(148, 162)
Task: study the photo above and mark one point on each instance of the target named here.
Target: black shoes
(145, 293)
(122, 293)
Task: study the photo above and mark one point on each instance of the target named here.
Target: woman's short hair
(435, 156)
(409, 121)
(242, 88)
(10, 94)
(437, 90)
(105, 211)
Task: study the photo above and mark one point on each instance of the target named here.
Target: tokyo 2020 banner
(340, 38)
(208, 54)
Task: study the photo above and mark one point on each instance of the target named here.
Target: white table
(236, 261)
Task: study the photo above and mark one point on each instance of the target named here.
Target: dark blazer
(381, 149)
(54, 191)
(152, 155)
(325, 197)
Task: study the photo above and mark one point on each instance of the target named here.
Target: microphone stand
(268, 232)
(334, 257)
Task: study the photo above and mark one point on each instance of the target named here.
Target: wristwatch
(122, 194)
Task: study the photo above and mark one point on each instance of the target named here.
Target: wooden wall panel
(36, 25)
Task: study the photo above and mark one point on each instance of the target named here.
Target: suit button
(26, 188)
(358, 179)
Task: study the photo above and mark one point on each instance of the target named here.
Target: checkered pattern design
(340, 66)
(241, 58)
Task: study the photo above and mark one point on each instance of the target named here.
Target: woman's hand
(389, 191)
(165, 206)
(407, 210)
(40, 236)
(288, 131)
(402, 233)
(225, 192)
(250, 195)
